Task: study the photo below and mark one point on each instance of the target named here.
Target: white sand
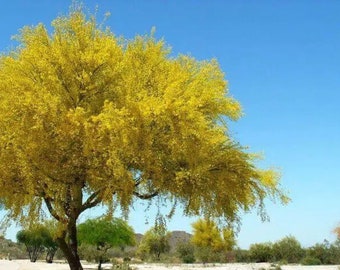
(27, 265)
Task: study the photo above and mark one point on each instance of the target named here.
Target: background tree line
(104, 240)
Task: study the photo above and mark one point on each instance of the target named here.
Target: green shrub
(327, 253)
(283, 262)
(261, 252)
(334, 252)
(185, 252)
(288, 249)
(320, 252)
(242, 255)
(308, 260)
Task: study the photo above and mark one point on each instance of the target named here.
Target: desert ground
(26, 265)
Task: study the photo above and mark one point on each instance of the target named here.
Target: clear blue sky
(282, 61)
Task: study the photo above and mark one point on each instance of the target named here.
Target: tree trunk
(50, 255)
(100, 263)
(70, 249)
(72, 259)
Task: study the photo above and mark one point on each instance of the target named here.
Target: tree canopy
(155, 242)
(105, 234)
(89, 118)
(210, 242)
(36, 240)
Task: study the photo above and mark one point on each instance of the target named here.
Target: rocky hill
(178, 237)
(10, 249)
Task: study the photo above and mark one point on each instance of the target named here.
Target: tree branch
(93, 200)
(146, 196)
(48, 202)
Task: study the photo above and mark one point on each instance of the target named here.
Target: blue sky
(281, 59)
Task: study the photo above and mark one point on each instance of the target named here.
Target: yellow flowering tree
(87, 118)
(209, 241)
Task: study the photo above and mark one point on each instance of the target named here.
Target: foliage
(50, 245)
(33, 239)
(325, 252)
(154, 242)
(38, 239)
(209, 241)
(288, 249)
(309, 260)
(104, 234)
(337, 231)
(334, 251)
(186, 252)
(242, 255)
(261, 252)
(89, 118)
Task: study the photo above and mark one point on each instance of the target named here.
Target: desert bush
(242, 255)
(334, 252)
(261, 252)
(205, 255)
(309, 260)
(288, 249)
(186, 252)
(327, 253)
(91, 254)
(154, 243)
(321, 252)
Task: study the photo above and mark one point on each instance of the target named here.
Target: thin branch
(146, 196)
(139, 180)
(52, 211)
(93, 200)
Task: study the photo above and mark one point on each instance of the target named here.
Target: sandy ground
(26, 265)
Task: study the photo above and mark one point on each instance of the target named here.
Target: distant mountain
(138, 237)
(178, 237)
(11, 249)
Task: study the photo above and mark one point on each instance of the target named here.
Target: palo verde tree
(105, 234)
(49, 234)
(87, 118)
(210, 242)
(155, 242)
(38, 239)
(33, 239)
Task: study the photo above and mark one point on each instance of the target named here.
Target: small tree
(154, 242)
(39, 239)
(186, 252)
(288, 249)
(51, 248)
(325, 252)
(209, 241)
(335, 252)
(105, 234)
(261, 252)
(33, 240)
